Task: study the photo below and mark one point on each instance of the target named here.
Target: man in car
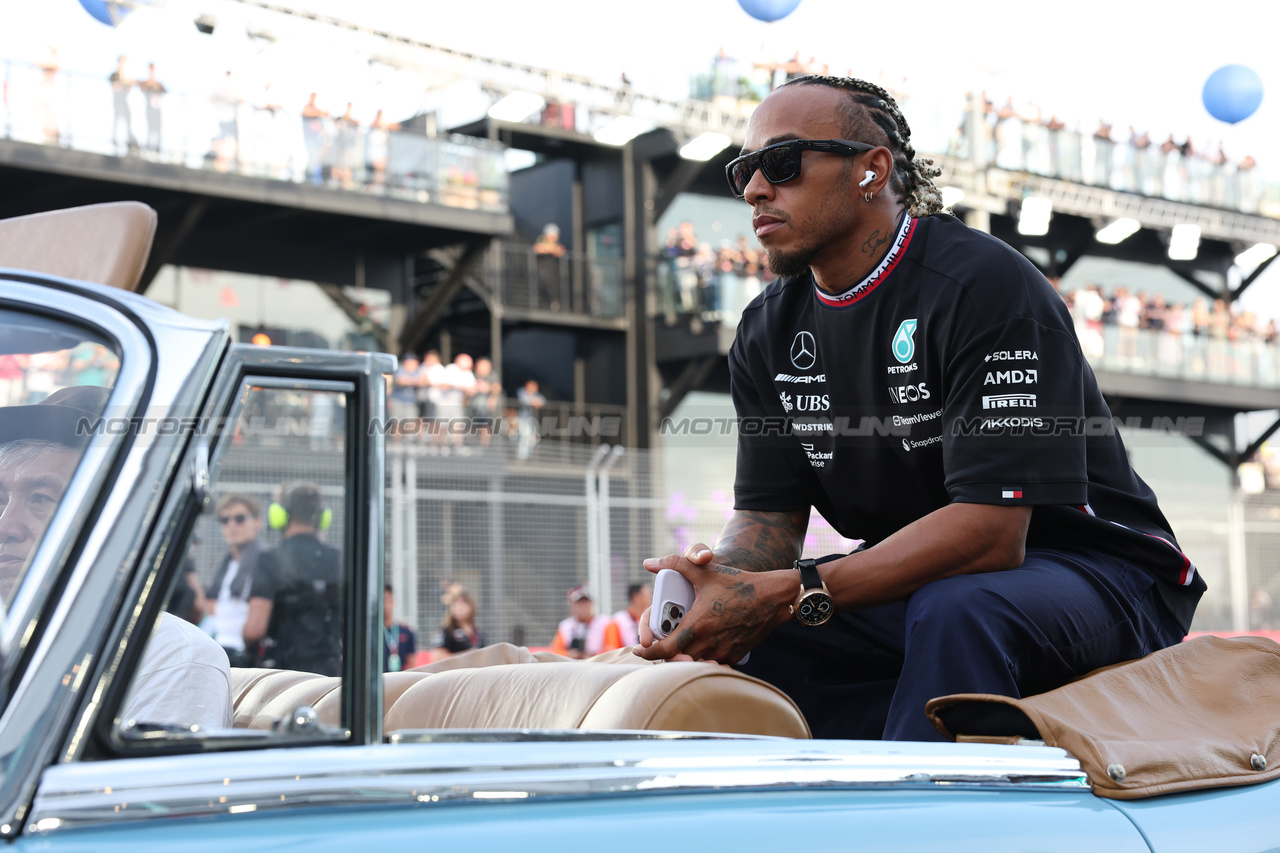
(920, 384)
(297, 588)
(183, 677)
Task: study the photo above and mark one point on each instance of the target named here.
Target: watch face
(815, 608)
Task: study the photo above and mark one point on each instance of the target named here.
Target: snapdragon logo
(909, 445)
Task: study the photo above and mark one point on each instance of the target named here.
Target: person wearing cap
(183, 677)
(297, 588)
(582, 634)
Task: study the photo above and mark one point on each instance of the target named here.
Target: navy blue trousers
(867, 674)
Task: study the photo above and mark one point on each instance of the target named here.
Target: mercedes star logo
(804, 351)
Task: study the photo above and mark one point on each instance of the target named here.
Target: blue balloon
(1232, 93)
(768, 10)
(106, 11)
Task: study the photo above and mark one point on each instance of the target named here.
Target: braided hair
(871, 115)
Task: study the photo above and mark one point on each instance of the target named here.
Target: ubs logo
(804, 351)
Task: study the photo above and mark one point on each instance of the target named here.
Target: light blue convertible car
(500, 749)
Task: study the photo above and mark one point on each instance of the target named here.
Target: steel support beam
(433, 307)
(690, 379)
(351, 309)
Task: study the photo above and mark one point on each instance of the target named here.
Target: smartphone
(672, 598)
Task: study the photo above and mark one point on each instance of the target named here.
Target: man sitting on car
(183, 678)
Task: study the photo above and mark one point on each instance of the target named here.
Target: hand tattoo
(685, 637)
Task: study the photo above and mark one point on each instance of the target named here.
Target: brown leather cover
(101, 243)
(1201, 714)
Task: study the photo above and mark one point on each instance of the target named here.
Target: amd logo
(1012, 377)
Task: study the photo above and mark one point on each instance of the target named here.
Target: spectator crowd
(1026, 139)
(1215, 338)
(714, 283)
(461, 404)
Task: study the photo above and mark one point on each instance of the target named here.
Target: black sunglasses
(781, 162)
(238, 518)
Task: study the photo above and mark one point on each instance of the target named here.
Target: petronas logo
(904, 345)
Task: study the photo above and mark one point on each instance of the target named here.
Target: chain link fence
(519, 533)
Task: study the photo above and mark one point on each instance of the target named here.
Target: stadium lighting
(704, 146)
(1255, 256)
(517, 106)
(1118, 231)
(1033, 219)
(1184, 245)
(951, 196)
(622, 130)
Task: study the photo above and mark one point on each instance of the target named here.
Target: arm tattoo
(762, 541)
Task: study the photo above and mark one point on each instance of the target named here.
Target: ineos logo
(804, 351)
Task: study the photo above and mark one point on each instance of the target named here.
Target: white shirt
(232, 612)
(184, 679)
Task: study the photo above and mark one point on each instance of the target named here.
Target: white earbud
(871, 176)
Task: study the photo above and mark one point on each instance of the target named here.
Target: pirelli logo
(1009, 401)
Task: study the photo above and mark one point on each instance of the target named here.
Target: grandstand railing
(1247, 361)
(574, 282)
(261, 140)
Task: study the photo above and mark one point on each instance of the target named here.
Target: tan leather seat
(506, 686)
(101, 243)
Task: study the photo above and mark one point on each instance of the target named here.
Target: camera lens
(677, 613)
(666, 626)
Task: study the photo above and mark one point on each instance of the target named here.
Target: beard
(794, 263)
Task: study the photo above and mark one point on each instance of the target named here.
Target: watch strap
(809, 576)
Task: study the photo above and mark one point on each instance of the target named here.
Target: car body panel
(541, 795)
(64, 786)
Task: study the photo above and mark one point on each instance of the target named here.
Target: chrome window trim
(59, 678)
(237, 376)
(59, 537)
(422, 775)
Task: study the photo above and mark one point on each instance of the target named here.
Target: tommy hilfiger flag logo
(1011, 494)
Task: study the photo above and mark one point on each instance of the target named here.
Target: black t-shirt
(949, 374)
(302, 577)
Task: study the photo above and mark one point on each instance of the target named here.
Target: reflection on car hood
(525, 765)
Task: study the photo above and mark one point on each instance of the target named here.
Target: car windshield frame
(67, 527)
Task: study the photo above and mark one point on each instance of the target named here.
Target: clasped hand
(733, 610)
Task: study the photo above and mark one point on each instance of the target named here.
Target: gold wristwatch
(813, 605)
